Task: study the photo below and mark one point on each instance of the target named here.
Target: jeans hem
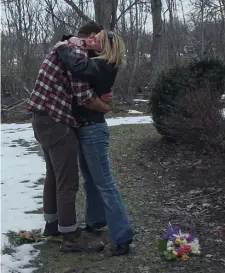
(50, 218)
(67, 229)
(121, 242)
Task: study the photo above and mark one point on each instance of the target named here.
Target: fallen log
(15, 112)
(14, 105)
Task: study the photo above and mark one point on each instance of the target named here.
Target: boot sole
(58, 238)
(115, 254)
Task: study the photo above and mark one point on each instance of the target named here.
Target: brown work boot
(77, 242)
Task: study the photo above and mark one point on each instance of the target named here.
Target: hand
(59, 44)
(98, 105)
(77, 41)
(107, 97)
(88, 43)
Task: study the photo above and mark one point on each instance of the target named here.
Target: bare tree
(156, 62)
(31, 27)
(22, 34)
(105, 12)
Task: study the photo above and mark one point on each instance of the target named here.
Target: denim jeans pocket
(95, 131)
(48, 132)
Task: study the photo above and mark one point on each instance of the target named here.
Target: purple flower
(172, 238)
(170, 232)
(190, 237)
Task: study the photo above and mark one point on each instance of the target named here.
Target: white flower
(169, 248)
(195, 246)
(184, 235)
(169, 243)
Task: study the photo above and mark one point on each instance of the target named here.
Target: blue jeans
(104, 203)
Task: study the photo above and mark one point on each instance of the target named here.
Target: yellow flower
(174, 253)
(183, 243)
(184, 257)
(178, 241)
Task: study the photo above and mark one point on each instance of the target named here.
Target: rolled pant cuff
(50, 218)
(67, 229)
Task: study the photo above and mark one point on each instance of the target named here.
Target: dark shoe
(119, 250)
(96, 228)
(51, 229)
(76, 242)
(122, 249)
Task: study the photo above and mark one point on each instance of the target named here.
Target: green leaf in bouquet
(169, 256)
(162, 244)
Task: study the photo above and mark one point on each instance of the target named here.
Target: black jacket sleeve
(86, 69)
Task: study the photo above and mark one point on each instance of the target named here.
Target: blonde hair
(112, 49)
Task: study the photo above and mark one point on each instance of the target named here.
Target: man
(53, 125)
(95, 218)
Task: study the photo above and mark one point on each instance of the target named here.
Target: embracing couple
(71, 95)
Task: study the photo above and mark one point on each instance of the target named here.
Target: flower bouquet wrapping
(177, 245)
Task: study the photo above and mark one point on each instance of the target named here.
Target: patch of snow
(16, 261)
(140, 100)
(223, 113)
(134, 112)
(129, 120)
(147, 55)
(21, 169)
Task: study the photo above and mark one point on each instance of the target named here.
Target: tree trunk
(156, 7)
(105, 12)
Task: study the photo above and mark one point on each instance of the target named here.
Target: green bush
(186, 99)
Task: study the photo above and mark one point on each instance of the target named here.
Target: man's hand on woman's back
(58, 44)
(107, 97)
(98, 105)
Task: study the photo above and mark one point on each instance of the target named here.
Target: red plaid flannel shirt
(54, 90)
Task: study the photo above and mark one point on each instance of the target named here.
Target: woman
(104, 205)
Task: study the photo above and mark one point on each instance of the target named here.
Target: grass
(38, 211)
(160, 182)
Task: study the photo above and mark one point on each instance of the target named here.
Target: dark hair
(66, 37)
(88, 28)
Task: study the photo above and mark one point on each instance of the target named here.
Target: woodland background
(158, 34)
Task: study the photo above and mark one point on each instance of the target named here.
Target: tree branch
(60, 20)
(126, 10)
(15, 105)
(77, 10)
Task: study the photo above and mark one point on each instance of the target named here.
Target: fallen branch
(15, 105)
(24, 85)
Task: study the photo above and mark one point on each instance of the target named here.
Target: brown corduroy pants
(60, 147)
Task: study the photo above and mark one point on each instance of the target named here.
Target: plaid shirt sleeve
(81, 89)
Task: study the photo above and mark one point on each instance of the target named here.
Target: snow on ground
(129, 120)
(21, 169)
(140, 100)
(134, 112)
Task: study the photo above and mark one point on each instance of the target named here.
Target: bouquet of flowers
(177, 245)
(25, 237)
